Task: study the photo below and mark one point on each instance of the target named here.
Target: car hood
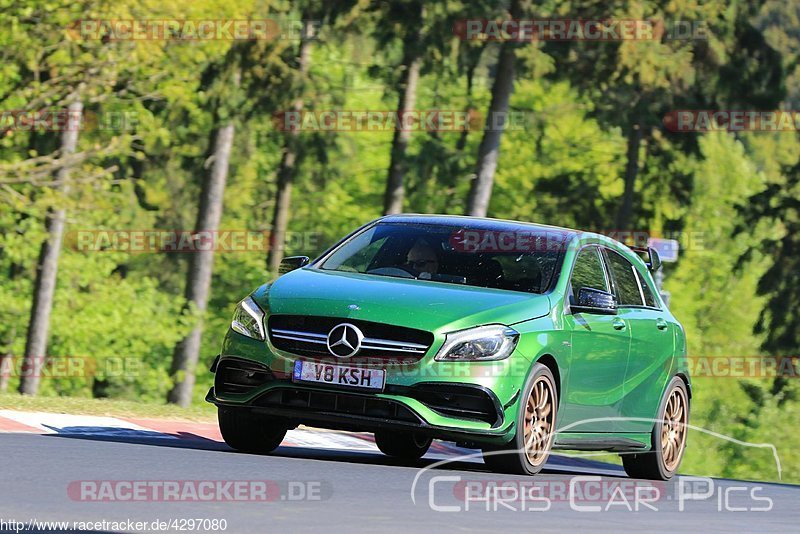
(426, 305)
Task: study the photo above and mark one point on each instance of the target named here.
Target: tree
(439, 163)
(313, 12)
(637, 82)
(777, 206)
(209, 213)
(288, 165)
(407, 95)
(47, 72)
(199, 277)
(47, 267)
(403, 21)
(488, 153)
(236, 85)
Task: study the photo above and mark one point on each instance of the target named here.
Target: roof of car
(478, 223)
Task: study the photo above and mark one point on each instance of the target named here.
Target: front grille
(307, 336)
(337, 403)
(234, 376)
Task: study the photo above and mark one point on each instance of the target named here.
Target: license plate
(338, 375)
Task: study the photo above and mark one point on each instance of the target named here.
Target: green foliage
(723, 178)
(732, 198)
(562, 168)
(707, 291)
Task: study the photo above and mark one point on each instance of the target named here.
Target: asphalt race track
(340, 490)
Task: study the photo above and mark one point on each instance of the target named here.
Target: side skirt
(602, 442)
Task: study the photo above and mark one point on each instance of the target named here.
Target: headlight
(484, 343)
(248, 320)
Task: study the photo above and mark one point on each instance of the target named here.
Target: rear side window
(626, 284)
(649, 299)
(588, 271)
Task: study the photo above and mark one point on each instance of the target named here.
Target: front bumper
(477, 405)
(368, 419)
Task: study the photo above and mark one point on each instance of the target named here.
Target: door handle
(618, 324)
(661, 324)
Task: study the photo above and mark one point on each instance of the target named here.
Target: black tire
(403, 445)
(247, 432)
(651, 465)
(513, 458)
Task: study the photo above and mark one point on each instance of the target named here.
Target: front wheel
(248, 432)
(668, 437)
(406, 446)
(527, 453)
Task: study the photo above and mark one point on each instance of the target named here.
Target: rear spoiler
(653, 260)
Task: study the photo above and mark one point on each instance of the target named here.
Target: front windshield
(515, 258)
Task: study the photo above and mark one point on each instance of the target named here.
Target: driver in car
(423, 259)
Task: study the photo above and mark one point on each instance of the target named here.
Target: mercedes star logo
(344, 340)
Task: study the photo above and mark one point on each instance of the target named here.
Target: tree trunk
(625, 214)
(6, 364)
(7, 361)
(198, 282)
(395, 190)
(47, 267)
(287, 169)
(464, 135)
(471, 67)
(481, 189)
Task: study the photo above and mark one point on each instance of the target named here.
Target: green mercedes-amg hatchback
(509, 337)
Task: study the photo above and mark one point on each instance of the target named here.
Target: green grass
(202, 412)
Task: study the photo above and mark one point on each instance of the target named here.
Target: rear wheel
(668, 437)
(248, 432)
(527, 453)
(407, 446)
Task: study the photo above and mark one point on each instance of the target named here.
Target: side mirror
(595, 301)
(291, 263)
(655, 259)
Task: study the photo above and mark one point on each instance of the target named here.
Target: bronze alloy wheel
(668, 437)
(539, 420)
(673, 428)
(527, 452)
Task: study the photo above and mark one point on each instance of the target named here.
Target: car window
(503, 257)
(626, 284)
(649, 298)
(359, 261)
(359, 252)
(588, 271)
